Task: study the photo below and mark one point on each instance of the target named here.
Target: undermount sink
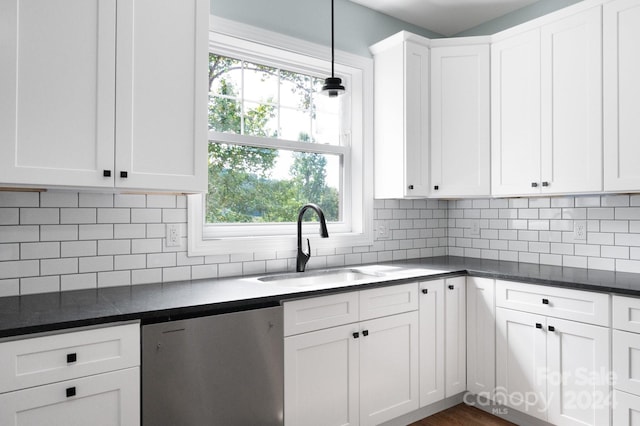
(313, 278)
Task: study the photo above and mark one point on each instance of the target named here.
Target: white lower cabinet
(360, 373)
(442, 339)
(553, 369)
(75, 378)
(107, 399)
(481, 336)
(627, 409)
(626, 361)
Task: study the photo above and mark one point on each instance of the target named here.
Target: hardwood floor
(462, 415)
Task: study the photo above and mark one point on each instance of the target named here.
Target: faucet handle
(308, 249)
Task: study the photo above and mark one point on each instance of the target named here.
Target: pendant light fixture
(332, 85)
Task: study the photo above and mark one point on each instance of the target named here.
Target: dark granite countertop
(164, 302)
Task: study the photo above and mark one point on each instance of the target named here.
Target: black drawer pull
(538, 325)
(71, 392)
(356, 335)
(106, 173)
(545, 301)
(451, 287)
(410, 186)
(534, 184)
(552, 328)
(436, 187)
(123, 175)
(73, 357)
(365, 333)
(545, 183)
(425, 290)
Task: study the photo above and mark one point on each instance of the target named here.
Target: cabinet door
(621, 68)
(571, 52)
(460, 121)
(321, 377)
(481, 336)
(627, 409)
(521, 352)
(626, 361)
(57, 80)
(161, 110)
(109, 399)
(578, 373)
(431, 342)
(515, 115)
(455, 336)
(388, 368)
(416, 109)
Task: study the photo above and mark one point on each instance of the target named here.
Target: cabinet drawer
(384, 301)
(626, 361)
(626, 313)
(56, 357)
(575, 305)
(626, 411)
(301, 316)
(107, 399)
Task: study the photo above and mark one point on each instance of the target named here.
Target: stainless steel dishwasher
(217, 370)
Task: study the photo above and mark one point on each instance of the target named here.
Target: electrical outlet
(383, 232)
(173, 235)
(579, 230)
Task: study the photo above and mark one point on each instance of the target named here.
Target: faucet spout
(302, 257)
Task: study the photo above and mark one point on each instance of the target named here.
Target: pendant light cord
(332, 47)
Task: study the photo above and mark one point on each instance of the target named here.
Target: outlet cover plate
(579, 230)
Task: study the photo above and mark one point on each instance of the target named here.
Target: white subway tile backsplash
(95, 264)
(180, 273)
(18, 234)
(628, 240)
(19, 199)
(631, 213)
(174, 215)
(78, 282)
(110, 247)
(77, 216)
(146, 215)
(562, 202)
(89, 199)
(130, 200)
(161, 201)
(9, 287)
(9, 216)
(78, 248)
(59, 266)
(58, 232)
(130, 230)
(146, 246)
(58, 199)
(146, 276)
(114, 278)
(39, 216)
(613, 252)
(39, 285)
(161, 260)
(95, 232)
(632, 266)
(211, 271)
(19, 268)
(114, 215)
(615, 200)
(130, 261)
(39, 250)
(9, 252)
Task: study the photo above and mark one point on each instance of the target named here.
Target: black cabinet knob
(545, 301)
(545, 183)
(124, 174)
(356, 335)
(436, 187)
(410, 186)
(71, 392)
(73, 357)
(365, 333)
(425, 290)
(538, 325)
(534, 184)
(552, 328)
(106, 173)
(451, 287)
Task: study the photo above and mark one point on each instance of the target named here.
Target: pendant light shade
(332, 85)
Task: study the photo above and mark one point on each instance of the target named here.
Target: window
(276, 143)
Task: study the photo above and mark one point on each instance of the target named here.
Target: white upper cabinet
(515, 113)
(547, 108)
(401, 116)
(621, 33)
(460, 120)
(571, 148)
(57, 80)
(104, 93)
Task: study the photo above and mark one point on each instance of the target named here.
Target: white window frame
(239, 40)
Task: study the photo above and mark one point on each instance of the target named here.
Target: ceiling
(446, 17)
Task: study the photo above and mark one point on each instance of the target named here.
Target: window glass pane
(260, 83)
(295, 125)
(225, 86)
(260, 120)
(256, 185)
